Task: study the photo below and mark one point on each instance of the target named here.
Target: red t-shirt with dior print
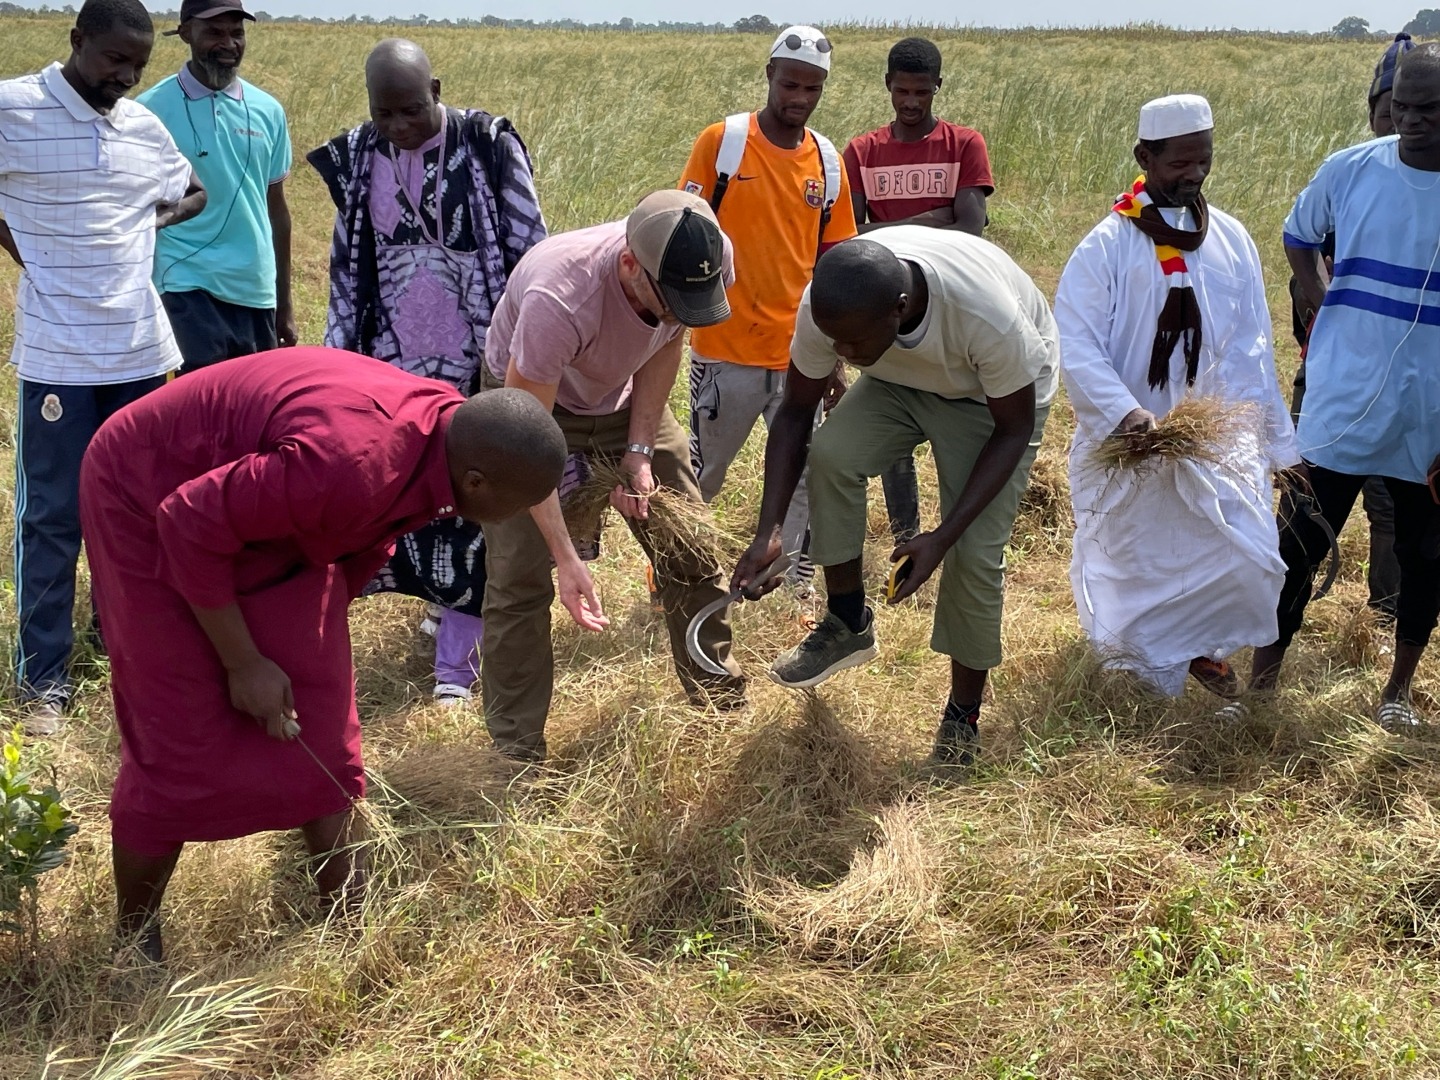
(902, 179)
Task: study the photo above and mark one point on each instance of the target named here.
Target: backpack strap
(830, 162)
(732, 150)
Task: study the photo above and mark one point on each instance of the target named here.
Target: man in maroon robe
(231, 517)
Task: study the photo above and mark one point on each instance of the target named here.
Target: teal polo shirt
(238, 143)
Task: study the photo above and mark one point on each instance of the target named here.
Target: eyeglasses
(655, 288)
(794, 42)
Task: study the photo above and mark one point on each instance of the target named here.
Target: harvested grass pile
(888, 899)
(450, 779)
(679, 530)
(1198, 429)
(1045, 503)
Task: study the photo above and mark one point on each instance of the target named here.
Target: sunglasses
(655, 288)
(794, 42)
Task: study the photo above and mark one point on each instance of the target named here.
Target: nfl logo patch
(815, 193)
(692, 187)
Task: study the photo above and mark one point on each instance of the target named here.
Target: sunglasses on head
(794, 42)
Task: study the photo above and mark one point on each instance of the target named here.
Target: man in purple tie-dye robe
(435, 206)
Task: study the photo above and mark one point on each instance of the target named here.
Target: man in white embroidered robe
(1176, 564)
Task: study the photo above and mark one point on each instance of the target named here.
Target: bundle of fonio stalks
(1198, 429)
(678, 528)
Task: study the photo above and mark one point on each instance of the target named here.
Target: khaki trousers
(517, 675)
(878, 422)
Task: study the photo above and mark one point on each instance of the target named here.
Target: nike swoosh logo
(739, 177)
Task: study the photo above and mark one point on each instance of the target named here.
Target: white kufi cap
(803, 43)
(1173, 116)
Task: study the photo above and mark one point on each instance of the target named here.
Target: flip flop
(1216, 676)
(1233, 713)
(1397, 716)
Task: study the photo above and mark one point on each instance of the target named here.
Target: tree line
(1426, 23)
(1352, 28)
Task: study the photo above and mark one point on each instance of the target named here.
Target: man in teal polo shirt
(224, 276)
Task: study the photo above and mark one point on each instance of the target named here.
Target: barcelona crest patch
(815, 193)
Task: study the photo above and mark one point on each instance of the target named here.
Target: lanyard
(419, 211)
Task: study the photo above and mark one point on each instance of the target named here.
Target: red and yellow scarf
(1180, 317)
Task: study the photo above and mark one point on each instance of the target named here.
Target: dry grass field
(1120, 891)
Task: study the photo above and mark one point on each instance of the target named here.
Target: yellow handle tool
(899, 571)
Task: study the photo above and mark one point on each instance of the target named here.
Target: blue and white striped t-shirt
(79, 191)
(1372, 372)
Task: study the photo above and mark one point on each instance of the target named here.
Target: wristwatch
(641, 448)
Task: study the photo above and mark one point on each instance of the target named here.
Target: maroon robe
(278, 482)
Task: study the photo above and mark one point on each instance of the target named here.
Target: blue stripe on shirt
(1293, 241)
(1428, 315)
(1390, 273)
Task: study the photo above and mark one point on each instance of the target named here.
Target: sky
(1214, 14)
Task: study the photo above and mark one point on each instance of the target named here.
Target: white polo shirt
(79, 190)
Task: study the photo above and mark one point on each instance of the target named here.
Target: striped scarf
(1180, 317)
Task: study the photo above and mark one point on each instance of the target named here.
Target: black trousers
(1304, 547)
(902, 498)
(1384, 575)
(210, 330)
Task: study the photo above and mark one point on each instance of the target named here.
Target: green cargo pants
(874, 425)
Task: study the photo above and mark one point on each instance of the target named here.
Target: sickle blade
(692, 632)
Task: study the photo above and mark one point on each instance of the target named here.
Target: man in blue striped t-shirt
(1372, 403)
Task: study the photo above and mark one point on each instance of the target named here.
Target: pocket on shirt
(1227, 300)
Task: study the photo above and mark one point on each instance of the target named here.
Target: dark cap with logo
(676, 238)
(209, 9)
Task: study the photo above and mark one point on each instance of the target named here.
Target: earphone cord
(200, 152)
(1389, 364)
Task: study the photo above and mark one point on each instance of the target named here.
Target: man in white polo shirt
(86, 177)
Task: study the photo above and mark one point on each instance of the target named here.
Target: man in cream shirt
(957, 348)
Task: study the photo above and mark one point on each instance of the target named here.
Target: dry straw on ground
(888, 899)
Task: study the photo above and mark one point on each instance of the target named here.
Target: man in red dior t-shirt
(920, 170)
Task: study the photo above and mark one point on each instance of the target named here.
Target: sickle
(692, 632)
(1306, 504)
(292, 732)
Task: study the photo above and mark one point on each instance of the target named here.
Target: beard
(217, 74)
(1177, 195)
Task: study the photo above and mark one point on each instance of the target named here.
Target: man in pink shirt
(231, 517)
(592, 325)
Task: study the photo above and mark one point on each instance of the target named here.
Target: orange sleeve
(699, 174)
(842, 214)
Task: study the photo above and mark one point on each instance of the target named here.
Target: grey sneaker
(45, 719)
(832, 646)
(450, 695)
